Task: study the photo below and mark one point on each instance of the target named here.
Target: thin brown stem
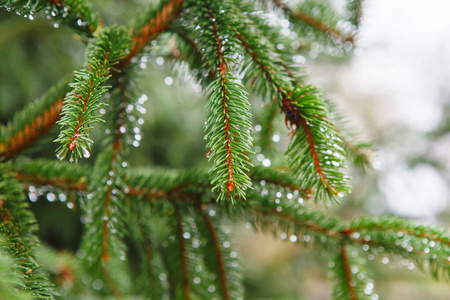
(32, 131)
(331, 31)
(183, 253)
(152, 29)
(219, 256)
(348, 274)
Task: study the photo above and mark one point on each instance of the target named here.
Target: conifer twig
(220, 260)
(152, 28)
(183, 254)
(32, 131)
(348, 273)
(302, 16)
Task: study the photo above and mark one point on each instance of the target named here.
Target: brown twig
(218, 251)
(348, 274)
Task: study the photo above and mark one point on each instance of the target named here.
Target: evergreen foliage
(167, 233)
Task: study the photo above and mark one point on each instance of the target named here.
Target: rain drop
(51, 197)
(97, 284)
(211, 288)
(86, 153)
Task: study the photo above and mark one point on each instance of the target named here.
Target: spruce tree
(153, 233)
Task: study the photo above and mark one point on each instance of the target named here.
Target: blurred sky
(394, 89)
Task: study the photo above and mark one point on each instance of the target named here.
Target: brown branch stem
(183, 254)
(219, 255)
(32, 131)
(348, 273)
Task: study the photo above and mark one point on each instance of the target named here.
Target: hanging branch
(310, 154)
(73, 13)
(227, 123)
(18, 227)
(150, 26)
(316, 23)
(81, 104)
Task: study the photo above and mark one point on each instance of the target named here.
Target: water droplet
(97, 284)
(212, 212)
(186, 235)
(276, 138)
(233, 254)
(105, 218)
(51, 197)
(293, 238)
(226, 244)
(86, 153)
(70, 205)
(162, 276)
(196, 280)
(211, 288)
(33, 197)
(385, 260)
(266, 162)
(355, 235)
(283, 235)
(365, 247)
(278, 194)
(168, 80)
(159, 60)
(307, 238)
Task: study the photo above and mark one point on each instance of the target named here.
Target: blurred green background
(34, 55)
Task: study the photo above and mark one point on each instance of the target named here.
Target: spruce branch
(10, 281)
(73, 13)
(32, 122)
(81, 104)
(18, 226)
(150, 268)
(219, 259)
(227, 123)
(151, 25)
(316, 152)
(310, 154)
(349, 275)
(302, 15)
(354, 11)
